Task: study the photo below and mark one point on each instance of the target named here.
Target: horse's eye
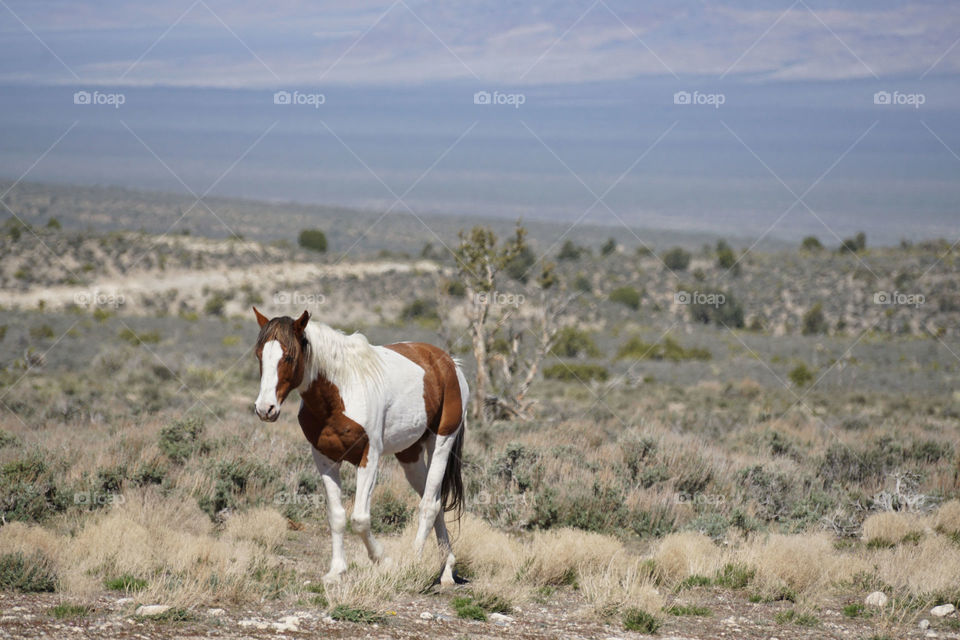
(288, 358)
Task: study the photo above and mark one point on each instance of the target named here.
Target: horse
(360, 402)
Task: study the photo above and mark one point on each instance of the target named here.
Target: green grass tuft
(687, 610)
(694, 581)
(468, 609)
(734, 576)
(126, 582)
(791, 616)
(66, 610)
(175, 614)
(345, 613)
(639, 620)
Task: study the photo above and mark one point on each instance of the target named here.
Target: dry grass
(947, 518)
(919, 570)
(265, 527)
(684, 554)
(802, 565)
(622, 582)
(167, 542)
(891, 527)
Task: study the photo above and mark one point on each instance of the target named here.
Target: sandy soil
(732, 616)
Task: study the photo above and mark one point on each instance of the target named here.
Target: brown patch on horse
(412, 453)
(326, 427)
(441, 387)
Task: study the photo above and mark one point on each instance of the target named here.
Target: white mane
(340, 358)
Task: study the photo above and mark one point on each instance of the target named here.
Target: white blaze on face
(266, 404)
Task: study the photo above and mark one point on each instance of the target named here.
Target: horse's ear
(261, 319)
(301, 323)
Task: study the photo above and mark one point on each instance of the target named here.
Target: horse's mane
(340, 358)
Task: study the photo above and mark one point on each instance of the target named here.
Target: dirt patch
(432, 616)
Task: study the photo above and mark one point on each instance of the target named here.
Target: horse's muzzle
(270, 414)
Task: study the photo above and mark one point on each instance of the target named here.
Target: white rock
(499, 618)
(287, 623)
(152, 609)
(943, 610)
(215, 612)
(924, 624)
(876, 599)
(123, 601)
(256, 624)
(930, 633)
(328, 620)
(426, 615)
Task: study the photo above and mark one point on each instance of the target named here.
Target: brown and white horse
(359, 402)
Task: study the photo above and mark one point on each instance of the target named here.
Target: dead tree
(510, 337)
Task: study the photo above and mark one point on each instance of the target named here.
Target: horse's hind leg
(416, 473)
(430, 507)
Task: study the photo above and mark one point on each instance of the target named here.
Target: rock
(924, 624)
(943, 610)
(876, 599)
(328, 620)
(152, 609)
(124, 601)
(256, 624)
(426, 615)
(499, 618)
(287, 623)
(930, 633)
(216, 613)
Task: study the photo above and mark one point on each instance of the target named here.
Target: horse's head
(281, 350)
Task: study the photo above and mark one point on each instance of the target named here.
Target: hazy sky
(798, 145)
(263, 44)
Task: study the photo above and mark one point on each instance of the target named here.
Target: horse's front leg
(336, 514)
(360, 519)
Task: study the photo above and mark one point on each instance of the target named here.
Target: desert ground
(721, 440)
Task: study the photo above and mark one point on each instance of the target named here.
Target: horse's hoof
(332, 577)
(448, 579)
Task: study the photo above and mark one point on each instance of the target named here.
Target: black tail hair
(451, 490)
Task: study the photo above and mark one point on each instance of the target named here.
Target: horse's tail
(451, 490)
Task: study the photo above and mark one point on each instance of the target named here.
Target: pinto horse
(359, 402)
